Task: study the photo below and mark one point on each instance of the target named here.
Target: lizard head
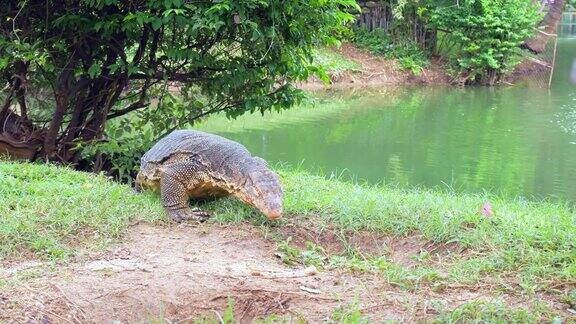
(263, 190)
(148, 178)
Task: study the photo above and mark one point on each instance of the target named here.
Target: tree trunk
(19, 139)
(537, 44)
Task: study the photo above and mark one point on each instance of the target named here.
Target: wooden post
(553, 61)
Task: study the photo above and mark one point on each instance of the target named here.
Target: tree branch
(131, 107)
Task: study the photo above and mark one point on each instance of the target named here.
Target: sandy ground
(178, 273)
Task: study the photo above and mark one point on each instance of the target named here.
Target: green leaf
(94, 70)
(156, 23)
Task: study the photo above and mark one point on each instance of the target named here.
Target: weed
(350, 314)
(312, 255)
(569, 299)
(486, 312)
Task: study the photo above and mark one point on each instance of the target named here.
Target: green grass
(334, 62)
(487, 312)
(534, 243)
(525, 247)
(50, 211)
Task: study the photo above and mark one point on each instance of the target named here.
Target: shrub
(486, 34)
(83, 63)
(376, 41)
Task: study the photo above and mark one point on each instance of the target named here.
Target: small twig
(70, 302)
(310, 290)
(14, 20)
(365, 309)
(284, 277)
(288, 292)
(284, 301)
(545, 33)
(116, 293)
(65, 296)
(246, 310)
(562, 284)
(219, 317)
(280, 303)
(56, 315)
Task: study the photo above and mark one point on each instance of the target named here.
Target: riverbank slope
(79, 247)
(351, 67)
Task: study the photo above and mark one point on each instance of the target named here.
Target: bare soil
(378, 71)
(184, 272)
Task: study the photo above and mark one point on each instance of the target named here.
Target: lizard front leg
(175, 197)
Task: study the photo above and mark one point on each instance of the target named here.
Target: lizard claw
(187, 214)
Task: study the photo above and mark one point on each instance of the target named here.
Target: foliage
(83, 63)
(409, 55)
(120, 153)
(486, 33)
(484, 36)
(377, 41)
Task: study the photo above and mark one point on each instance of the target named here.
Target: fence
(567, 27)
(379, 14)
(375, 14)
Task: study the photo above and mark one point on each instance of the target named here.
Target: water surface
(518, 140)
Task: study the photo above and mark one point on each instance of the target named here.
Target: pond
(516, 140)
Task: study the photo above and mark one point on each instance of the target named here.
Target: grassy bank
(43, 207)
(525, 247)
(50, 211)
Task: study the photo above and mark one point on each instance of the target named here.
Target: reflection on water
(573, 72)
(517, 140)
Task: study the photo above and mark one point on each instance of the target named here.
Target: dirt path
(182, 272)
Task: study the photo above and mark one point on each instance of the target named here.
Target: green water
(517, 140)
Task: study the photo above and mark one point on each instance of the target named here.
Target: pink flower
(487, 209)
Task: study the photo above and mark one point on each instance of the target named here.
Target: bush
(486, 35)
(376, 41)
(91, 61)
(410, 57)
